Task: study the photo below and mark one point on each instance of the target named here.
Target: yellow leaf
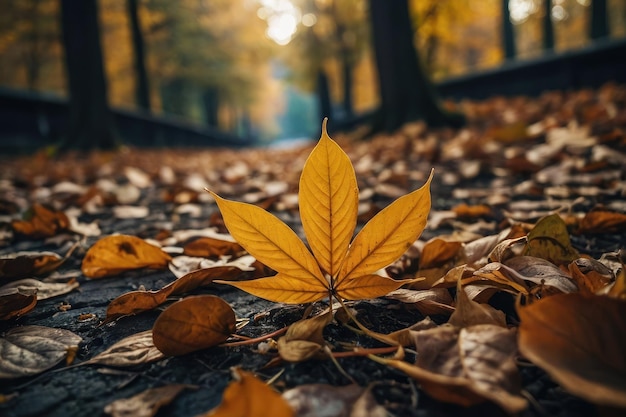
(329, 203)
(249, 397)
(328, 206)
(282, 288)
(269, 240)
(112, 255)
(549, 239)
(368, 286)
(388, 235)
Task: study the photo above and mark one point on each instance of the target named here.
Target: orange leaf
(603, 221)
(210, 247)
(135, 302)
(41, 223)
(112, 255)
(246, 396)
(193, 323)
(329, 201)
(580, 341)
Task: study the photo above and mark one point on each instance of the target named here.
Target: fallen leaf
(136, 302)
(591, 276)
(304, 339)
(470, 313)
(27, 264)
(437, 252)
(137, 349)
(29, 350)
(600, 221)
(44, 290)
(428, 302)
(209, 247)
(193, 323)
(541, 272)
(247, 396)
(580, 341)
(321, 400)
(549, 239)
(15, 302)
(115, 254)
(328, 207)
(146, 403)
(40, 222)
(466, 367)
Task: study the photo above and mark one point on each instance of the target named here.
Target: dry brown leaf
(40, 222)
(27, 264)
(136, 302)
(549, 239)
(304, 339)
(115, 254)
(247, 396)
(209, 247)
(590, 275)
(29, 350)
(580, 341)
(133, 350)
(320, 400)
(428, 302)
(15, 302)
(146, 403)
(541, 272)
(470, 313)
(602, 221)
(437, 252)
(193, 323)
(44, 290)
(466, 367)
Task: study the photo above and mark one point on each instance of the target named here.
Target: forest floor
(517, 161)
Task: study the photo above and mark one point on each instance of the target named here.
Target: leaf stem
(256, 339)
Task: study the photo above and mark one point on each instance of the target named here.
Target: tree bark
(406, 92)
(548, 27)
(323, 95)
(599, 27)
(90, 119)
(210, 100)
(508, 32)
(348, 107)
(142, 87)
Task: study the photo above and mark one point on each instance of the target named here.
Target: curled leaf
(27, 264)
(44, 290)
(29, 350)
(193, 323)
(133, 350)
(303, 339)
(136, 302)
(15, 302)
(41, 222)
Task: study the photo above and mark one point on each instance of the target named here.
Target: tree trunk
(90, 119)
(406, 93)
(599, 27)
(142, 87)
(323, 95)
(548, 27)
(347, 87)
(508, 32)
(210, 99)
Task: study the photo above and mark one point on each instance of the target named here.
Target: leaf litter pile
(424, 273)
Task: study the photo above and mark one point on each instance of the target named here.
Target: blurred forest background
(255, 67)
